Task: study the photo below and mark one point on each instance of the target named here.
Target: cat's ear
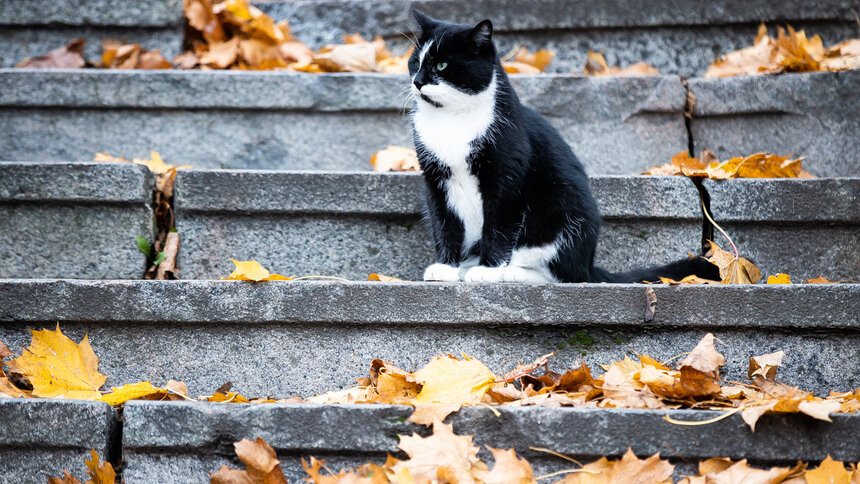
(482, 34)
(425, 24)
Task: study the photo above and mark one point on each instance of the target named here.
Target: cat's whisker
(414, 43)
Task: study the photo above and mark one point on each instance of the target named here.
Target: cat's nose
(418, 84)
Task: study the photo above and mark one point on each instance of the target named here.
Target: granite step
(185, 442)
(668, 34)
(76, 220)
(350, 225)
(288, 338)
(40, 437)
(274, 120)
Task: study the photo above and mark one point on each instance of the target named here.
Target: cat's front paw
(484, 274)
(441, 273)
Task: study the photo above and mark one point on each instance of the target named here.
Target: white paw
(442, 273)
(523, 274)
(484, 274)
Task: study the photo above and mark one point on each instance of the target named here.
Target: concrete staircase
(67, 232)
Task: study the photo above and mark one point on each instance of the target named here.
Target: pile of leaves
(161, 255)
(595, 65)
(789, 52)
(236, 35)
(707, 165)
(446, 457)
(116, 55)
(447, 383)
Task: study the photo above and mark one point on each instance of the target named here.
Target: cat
(507, 200)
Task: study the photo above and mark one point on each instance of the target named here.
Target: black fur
(533, 186)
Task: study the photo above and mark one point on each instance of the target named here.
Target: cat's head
(451, 61)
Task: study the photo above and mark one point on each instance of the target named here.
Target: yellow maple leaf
(56, 366)
(132, 391)
(100, 473)
(629, 469)
(251, 270)
(444, 454)
(829, 472)
(779, 279)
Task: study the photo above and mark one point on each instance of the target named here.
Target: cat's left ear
(482, 34)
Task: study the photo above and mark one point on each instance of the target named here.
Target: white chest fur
(448, 132)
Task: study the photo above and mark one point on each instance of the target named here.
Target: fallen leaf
(66, 479)
(508, 469)
(829, 472)
(819, 409)
(520, 68)
(705, 357)
(382, 278)
(251, 270)
(100, 473)
(733, 270)
(395, 158)
(779, 279)
(167, 267)
(521, 61)
(765, 366)
(132, 391)
(261, 465)
(58, 367)
(366, 474)
(4, 351)
(595, 65)
(524, 369)
(740, 472)
(629, 470)
(442, 455)
(70, 56)
(222, 54)
(451, 381)
(347, 58)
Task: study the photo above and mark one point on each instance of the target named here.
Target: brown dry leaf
(70, 56)
(723, 471)
(261, 465)
(66, 479)
(366, 474)
(442, 455)
(629, 470)
(508, 469)
(829, 472)
(347, 58)
(186, 60)
(383, 278)
(520, 61)
(9, 390)
(100, 473)
(689, 383)
(392, 384)
(758, 59)
(733, 270)
(622, 389)
(842, 56)
(797, 53)
(167, 268)
(251, 270)
(201, 17)
(296, 52)
(395, 158)
(765, 366)
(222, 54)
(705, 357)
(779, 279)
(758, 165)
(4, 351)
(595, 65)
(395, 65)
(363, 394)
(687, 280)
(523, 369)
(58, 367)
(824, 280)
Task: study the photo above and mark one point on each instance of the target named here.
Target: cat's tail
(698, 266)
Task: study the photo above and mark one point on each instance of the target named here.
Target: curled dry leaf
(99, 472)
(508, 469)
(251, 270)
(443, 456)
(725, 471)
(521, 61)
(630, 468)
(733, 270)
(705, 357)
(765, 366)
(70, 56)
(758, 165)
(261, 465)
(789, 52)
(366, 474)
(595, 65)
(395, 158)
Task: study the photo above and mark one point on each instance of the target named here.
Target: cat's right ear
(425, 24)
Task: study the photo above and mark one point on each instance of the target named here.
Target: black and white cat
(507, 199)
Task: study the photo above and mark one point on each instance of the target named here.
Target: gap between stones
(704, 196)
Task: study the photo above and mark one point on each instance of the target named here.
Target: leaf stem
(705, 211)
(694, 423)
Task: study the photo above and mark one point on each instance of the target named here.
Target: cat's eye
(441, 66)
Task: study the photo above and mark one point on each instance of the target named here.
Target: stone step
(289, 338)
(185, 442)
(74, 219)
(669, 35)
(30, 28)
(299, 121)
(270, 120)
(350, 225)
(41, 436)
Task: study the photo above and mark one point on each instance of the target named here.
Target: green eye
(441, 66)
